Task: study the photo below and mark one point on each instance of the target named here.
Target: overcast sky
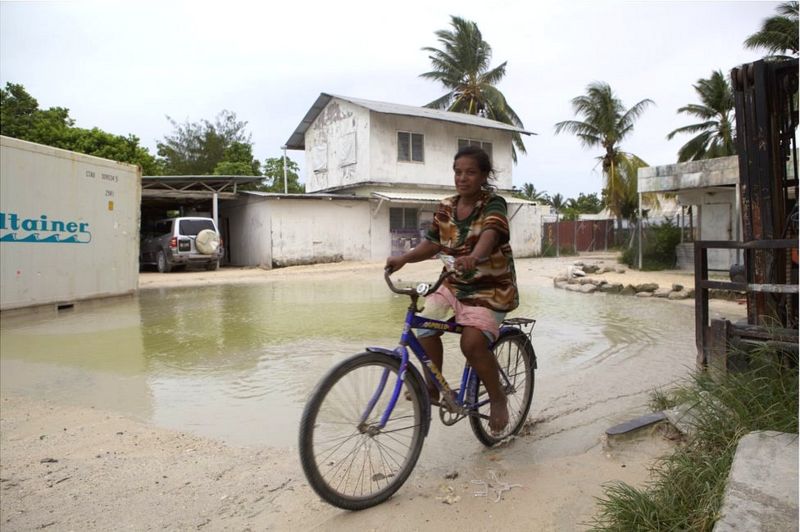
(124, 66)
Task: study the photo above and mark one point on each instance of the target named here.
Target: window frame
(410, 143)
(405, 214)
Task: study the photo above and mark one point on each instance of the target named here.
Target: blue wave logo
(43, 230)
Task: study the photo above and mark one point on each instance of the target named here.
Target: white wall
(309, 230)
(249, 227)
(441, 144)
(343, 127)
(525, 225)
(339, 128)
(271, 230)
(716, 218)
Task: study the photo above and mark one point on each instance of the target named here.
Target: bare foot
(498, 416)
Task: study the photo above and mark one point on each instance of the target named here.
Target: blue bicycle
(363, 427)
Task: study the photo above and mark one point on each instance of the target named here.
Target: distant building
(711, 188)
(375, 173)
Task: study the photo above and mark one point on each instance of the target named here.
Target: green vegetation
(221, 147)
(687, 487)
(529, 192)
(208, 148)
(605, 124)
(778, 34)
(658, 252)
(273, 177)
(715, 131)
(462, 65)
(21, 118)
(583, 204)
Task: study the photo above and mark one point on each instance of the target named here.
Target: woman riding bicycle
(470, 226)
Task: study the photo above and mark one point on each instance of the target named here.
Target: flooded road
(236, 362)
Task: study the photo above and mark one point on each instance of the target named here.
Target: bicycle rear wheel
(516, 359)
(347, 459)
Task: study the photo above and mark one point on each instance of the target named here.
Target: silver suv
(182, 241)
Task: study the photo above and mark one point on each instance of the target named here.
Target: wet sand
(69, 468)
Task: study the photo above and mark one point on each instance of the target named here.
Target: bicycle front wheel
(516, 360)
(348, 460)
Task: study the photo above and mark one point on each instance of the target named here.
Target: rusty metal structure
(766, 100)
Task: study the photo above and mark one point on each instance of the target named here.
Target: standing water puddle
(236, 362)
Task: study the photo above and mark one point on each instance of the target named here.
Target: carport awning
(412, 197)
(194, 187)
(424, 197)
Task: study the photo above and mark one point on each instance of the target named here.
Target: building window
(486, 146)
(403, 219)
(410, 146)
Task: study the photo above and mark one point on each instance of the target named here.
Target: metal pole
(558, 235)
(575, 237)
(285, 179)
(737, 214)
(639, 223)
(215, 209)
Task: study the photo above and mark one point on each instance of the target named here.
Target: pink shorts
(442, 304)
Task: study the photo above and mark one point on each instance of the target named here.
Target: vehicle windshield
(192, 227)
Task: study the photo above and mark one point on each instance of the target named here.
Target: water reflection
(92, 357)
(236, 362)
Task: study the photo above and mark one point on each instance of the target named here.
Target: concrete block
(761, 494)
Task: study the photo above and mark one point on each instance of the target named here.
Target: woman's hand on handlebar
(395, 263)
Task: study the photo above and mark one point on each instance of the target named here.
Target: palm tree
(605, 124)
(529, 192)
(626, 195)
(462, 65)
(779, 33)
(716, 128)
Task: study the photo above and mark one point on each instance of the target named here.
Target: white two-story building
(374, 174)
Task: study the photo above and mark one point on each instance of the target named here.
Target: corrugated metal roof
(411, 197)
(314, 196)
(297, 139)
(420, 197)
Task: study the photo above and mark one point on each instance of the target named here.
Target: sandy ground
(69, 468)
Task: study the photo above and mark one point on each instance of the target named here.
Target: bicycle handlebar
(422, 289)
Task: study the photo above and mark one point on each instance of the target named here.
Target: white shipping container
(69, 225)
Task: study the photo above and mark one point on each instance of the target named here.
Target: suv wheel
(213, 265)
(161, 262)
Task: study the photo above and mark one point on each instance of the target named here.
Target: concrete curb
(761, 494)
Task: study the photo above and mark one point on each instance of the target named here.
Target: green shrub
(659, 243)
(688, 486)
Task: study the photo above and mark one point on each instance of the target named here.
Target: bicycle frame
(408, 340)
